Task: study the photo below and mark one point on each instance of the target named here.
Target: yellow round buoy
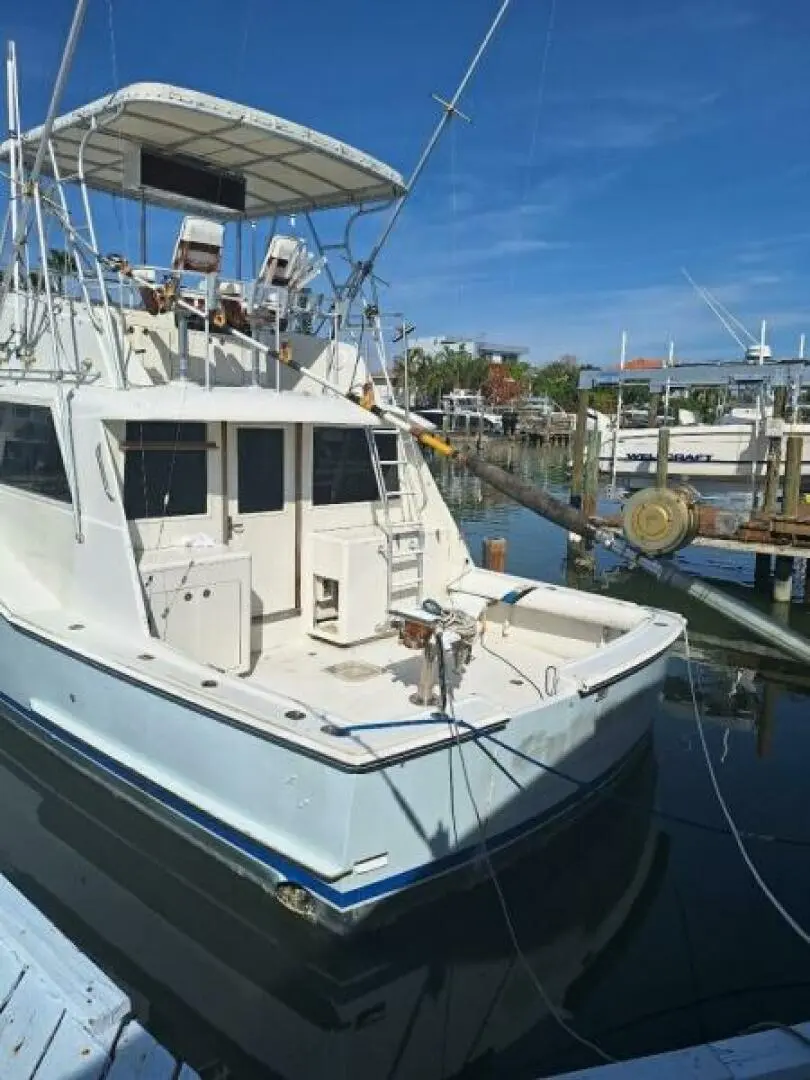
(658, 521)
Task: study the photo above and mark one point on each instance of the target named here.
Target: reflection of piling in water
(765, 720)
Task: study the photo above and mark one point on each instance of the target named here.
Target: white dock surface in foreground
(775, 1054)
(61, 1018)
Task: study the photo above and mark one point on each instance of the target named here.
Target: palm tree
(61, 263)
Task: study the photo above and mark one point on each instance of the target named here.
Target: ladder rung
(393, 461)
(402, 491)
(405, 585)
(407, 556)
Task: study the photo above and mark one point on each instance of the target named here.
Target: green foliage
(61, 263)
(559, 380)
(705, 402)
(430, 376)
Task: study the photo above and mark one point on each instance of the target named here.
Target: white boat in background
(731, 453)
(228, 592)
(467, 410)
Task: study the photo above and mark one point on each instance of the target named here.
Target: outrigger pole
(18, 240)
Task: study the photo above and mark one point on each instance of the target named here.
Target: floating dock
(61, 1018)
(780, 1053)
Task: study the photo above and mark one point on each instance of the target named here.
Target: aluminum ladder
(405, 538)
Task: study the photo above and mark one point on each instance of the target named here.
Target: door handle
(235, 527)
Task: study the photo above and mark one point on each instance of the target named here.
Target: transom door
(261, 510)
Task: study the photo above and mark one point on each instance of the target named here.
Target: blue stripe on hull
(272, 860)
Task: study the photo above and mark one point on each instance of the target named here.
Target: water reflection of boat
(731, 697)
(232, 979)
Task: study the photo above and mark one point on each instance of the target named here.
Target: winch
(439, 633)
(658, 521)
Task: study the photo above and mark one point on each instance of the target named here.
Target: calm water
(645, 933)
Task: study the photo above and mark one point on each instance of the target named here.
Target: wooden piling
(590, 485)
(782, 579)
(655, 401)
(578, 467)
(774, 454)
(783, 564)
(494, 554)
(662, 461)
(578, 451)
(793, 476)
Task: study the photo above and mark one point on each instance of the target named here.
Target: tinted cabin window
(388, 451)
(341, 467)
(165, 469)
(260, 464)
(30, 455)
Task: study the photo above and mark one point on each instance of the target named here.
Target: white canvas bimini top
(286, 167)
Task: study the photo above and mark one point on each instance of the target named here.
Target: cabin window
(342, 471)
(30, 455)
(388, 452)
(165, 469)
(260, 467)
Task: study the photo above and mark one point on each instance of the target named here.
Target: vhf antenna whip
(449, 109)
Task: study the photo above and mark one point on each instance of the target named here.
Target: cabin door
(261, 510)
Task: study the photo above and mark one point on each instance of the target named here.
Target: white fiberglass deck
(375, 681)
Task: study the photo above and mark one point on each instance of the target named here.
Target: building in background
(492, 351)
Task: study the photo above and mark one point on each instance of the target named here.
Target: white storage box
(349, 584)
(199, 602)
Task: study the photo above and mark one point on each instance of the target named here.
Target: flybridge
(180, 148)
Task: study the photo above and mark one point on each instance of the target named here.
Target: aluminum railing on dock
(61, 1017)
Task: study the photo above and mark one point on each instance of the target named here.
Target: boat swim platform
(61, 1017)
(778, 1053)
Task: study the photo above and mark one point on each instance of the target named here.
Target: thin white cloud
(590, 324)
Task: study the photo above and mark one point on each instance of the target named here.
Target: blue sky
(662, 133)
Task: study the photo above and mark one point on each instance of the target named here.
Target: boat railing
(257, 301)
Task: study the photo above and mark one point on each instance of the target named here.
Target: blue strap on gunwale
(514, 595)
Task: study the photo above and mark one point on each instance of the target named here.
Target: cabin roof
(286, 167)
(230, 403)
(190, 402)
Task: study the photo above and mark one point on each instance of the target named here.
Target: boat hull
(343, 847)
(706, 456)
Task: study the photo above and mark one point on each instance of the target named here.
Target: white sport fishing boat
(226, 591)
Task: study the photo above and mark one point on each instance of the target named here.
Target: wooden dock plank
(89, 996)
(73, 1055)
(27, 1025)
(137, 1056)
(11, 971)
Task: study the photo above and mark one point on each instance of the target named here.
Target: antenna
(33, 177)
(449, 110)
(729, 321)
